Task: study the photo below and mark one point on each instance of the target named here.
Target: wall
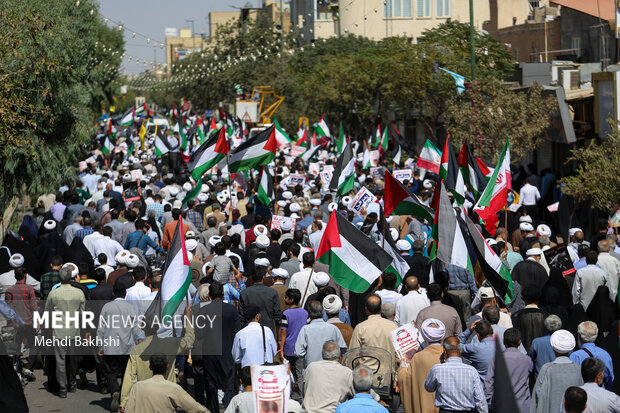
(587, 28)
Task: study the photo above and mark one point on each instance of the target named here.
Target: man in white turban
(411, 378)
(555, 377)
(8, 278)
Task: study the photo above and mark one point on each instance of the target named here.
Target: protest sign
(326, 178)
(297, 150)
(276, 222)
(406, 342)
(559, 258)
(402, 174)
(271, 388)
(314, 168)
(377, 172)
(297, 179)
(363, 198)
(374, 158)
(136, 174)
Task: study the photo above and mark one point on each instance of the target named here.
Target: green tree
(52, 82)
(598, 172)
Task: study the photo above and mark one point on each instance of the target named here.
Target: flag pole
(303, 298)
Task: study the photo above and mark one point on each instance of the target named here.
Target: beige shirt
(68, 300)
(158, 395)
(326, 385)
(375, 332)
(446, 314)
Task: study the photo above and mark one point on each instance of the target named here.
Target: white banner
(363, 198)
(406, 342)
(271, 387)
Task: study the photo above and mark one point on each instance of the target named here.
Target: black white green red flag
(255, 152)
(265, 192)
(343, 178)
(212, 151)
(398, 200)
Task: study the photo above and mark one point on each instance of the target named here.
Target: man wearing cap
(555, 377)
(280, 275)
(254, 344)
(587, 281)
(411, 379)
(576, 239)
(529, 236)
(265, 298)
(530, 271)
(488, 299)
(8, 278)
(332, 305)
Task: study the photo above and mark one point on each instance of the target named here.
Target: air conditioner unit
(569, 79)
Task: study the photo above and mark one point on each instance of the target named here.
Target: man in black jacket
(264, 297)
(418, 263)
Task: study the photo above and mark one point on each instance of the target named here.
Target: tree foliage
(54, 75)
(598, 172)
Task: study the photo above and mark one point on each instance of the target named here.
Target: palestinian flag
(143, 110)
(255, 152)
(399, 201)
(399, 266)
(343, 178)
(265, 192)
(193, 193)
(212, 128)
(281, 136)
(451, 247)
(161, 145)
(302, 138)
(354, 260)
(429, 159)
(200, 130)
(374, 143)
(473, 175)
(212, 151)
(383, 147)
(107, 147)
(131, 149)
(494, 270)
(310, 153)
(321, 128)
(176, 277)
(450, 172)
(366, 157)
(495, 195)
(397, 151)
(341, 141)
(128, 117)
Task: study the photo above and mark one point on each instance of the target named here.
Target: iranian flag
(281, 136)
(494, 197)
(451, 247)
(212, 151)
(128, 117)
(161, 146)
(255, 152)
(322, 129)
(450, 172)
(399, 201)
(107, 146)
(494, 270)
(265, 192)
(176, 277)
(366, 157)
(430, 158)
(354, 260)
(343, 178)
(342, 140)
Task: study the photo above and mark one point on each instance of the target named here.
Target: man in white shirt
(90, 239)
(587, 281)
(316, 235)
(248, 345)
(107, 246)
(388, 293)
(528, 197)
(139, 291)
(610, 265)
(69, 232)
(408, 307)
(301, 280)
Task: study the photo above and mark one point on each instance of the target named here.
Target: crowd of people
(100, 242)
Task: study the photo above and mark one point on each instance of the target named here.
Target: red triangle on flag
(221, 146)
(331, 236)
(271, 142)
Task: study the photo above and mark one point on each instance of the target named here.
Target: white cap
(260, 229)
(173, 191)
(74, 272)
(191, 244)
(403, 245)
(346, 200)
(214, 240)
(543, 230)
(279, 273)
(573, 231)
(262, 241)
(428, 184)
(294, 207)
(132, 260)
(332, 206)
(295, 216)
(315, 201)
(190, 234)
(50, 224)
(526, 226)
(525, 218)
(281, 203)
(394, 234)
(127, 177)
(287, 195)
(187, 187)
(16, 260)
(487, 292)
(320, 279)
(286, 226)
(261, 262)
(533, 251)
(177, 204)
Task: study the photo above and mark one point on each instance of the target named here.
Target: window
(424, 8)
(443, 8)
(575, 44)
(396, 8)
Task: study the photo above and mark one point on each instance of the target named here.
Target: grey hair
(65, 275)
(388, 310)
(588, 331)
(553, 323)
(612, 239)
(362, 378)
(603, 246)
(315, 310)
(331, 350)
(449, 347)
(544, 241)
(203, 292)
(77, 218)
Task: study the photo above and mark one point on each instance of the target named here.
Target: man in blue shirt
(363, 401)
(140, 239)
(588, 331)
(480, 354)
(540, 350)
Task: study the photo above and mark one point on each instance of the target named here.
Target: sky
(151, 17)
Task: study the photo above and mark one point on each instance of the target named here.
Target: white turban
(321, 279)
(187, 187)
(332, 206)
(395, 234)
(261, 262)
(346, 200)
(16, 260)
(533, 251)
(173, 191)
(221, 198)
(279, 273)
(281, 203)
(428, 184)
(562, 341)
(403, 245)
(294, 207)
(132, 260)
(286, 226)
(525, 218)
(74, 272)
(190, 234)
(214, 240)
(573, 231)
(262, 241)
(202, 197)
(315, 202)
(294, 215)
(491, 241)
(526, 226)
(543, 230)
(332, 304)
(259, 229)
(191, 244)
(50, 224)
(121, 257)
(287, 194)
(433, 334)
(190, 256)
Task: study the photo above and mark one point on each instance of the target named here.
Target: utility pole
(193, 38)
(471, 40)
(281, 17)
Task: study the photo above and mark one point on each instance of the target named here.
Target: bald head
(373, 304)
(412, 283)
(452, 346)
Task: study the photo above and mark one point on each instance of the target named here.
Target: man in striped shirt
(457, 386)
